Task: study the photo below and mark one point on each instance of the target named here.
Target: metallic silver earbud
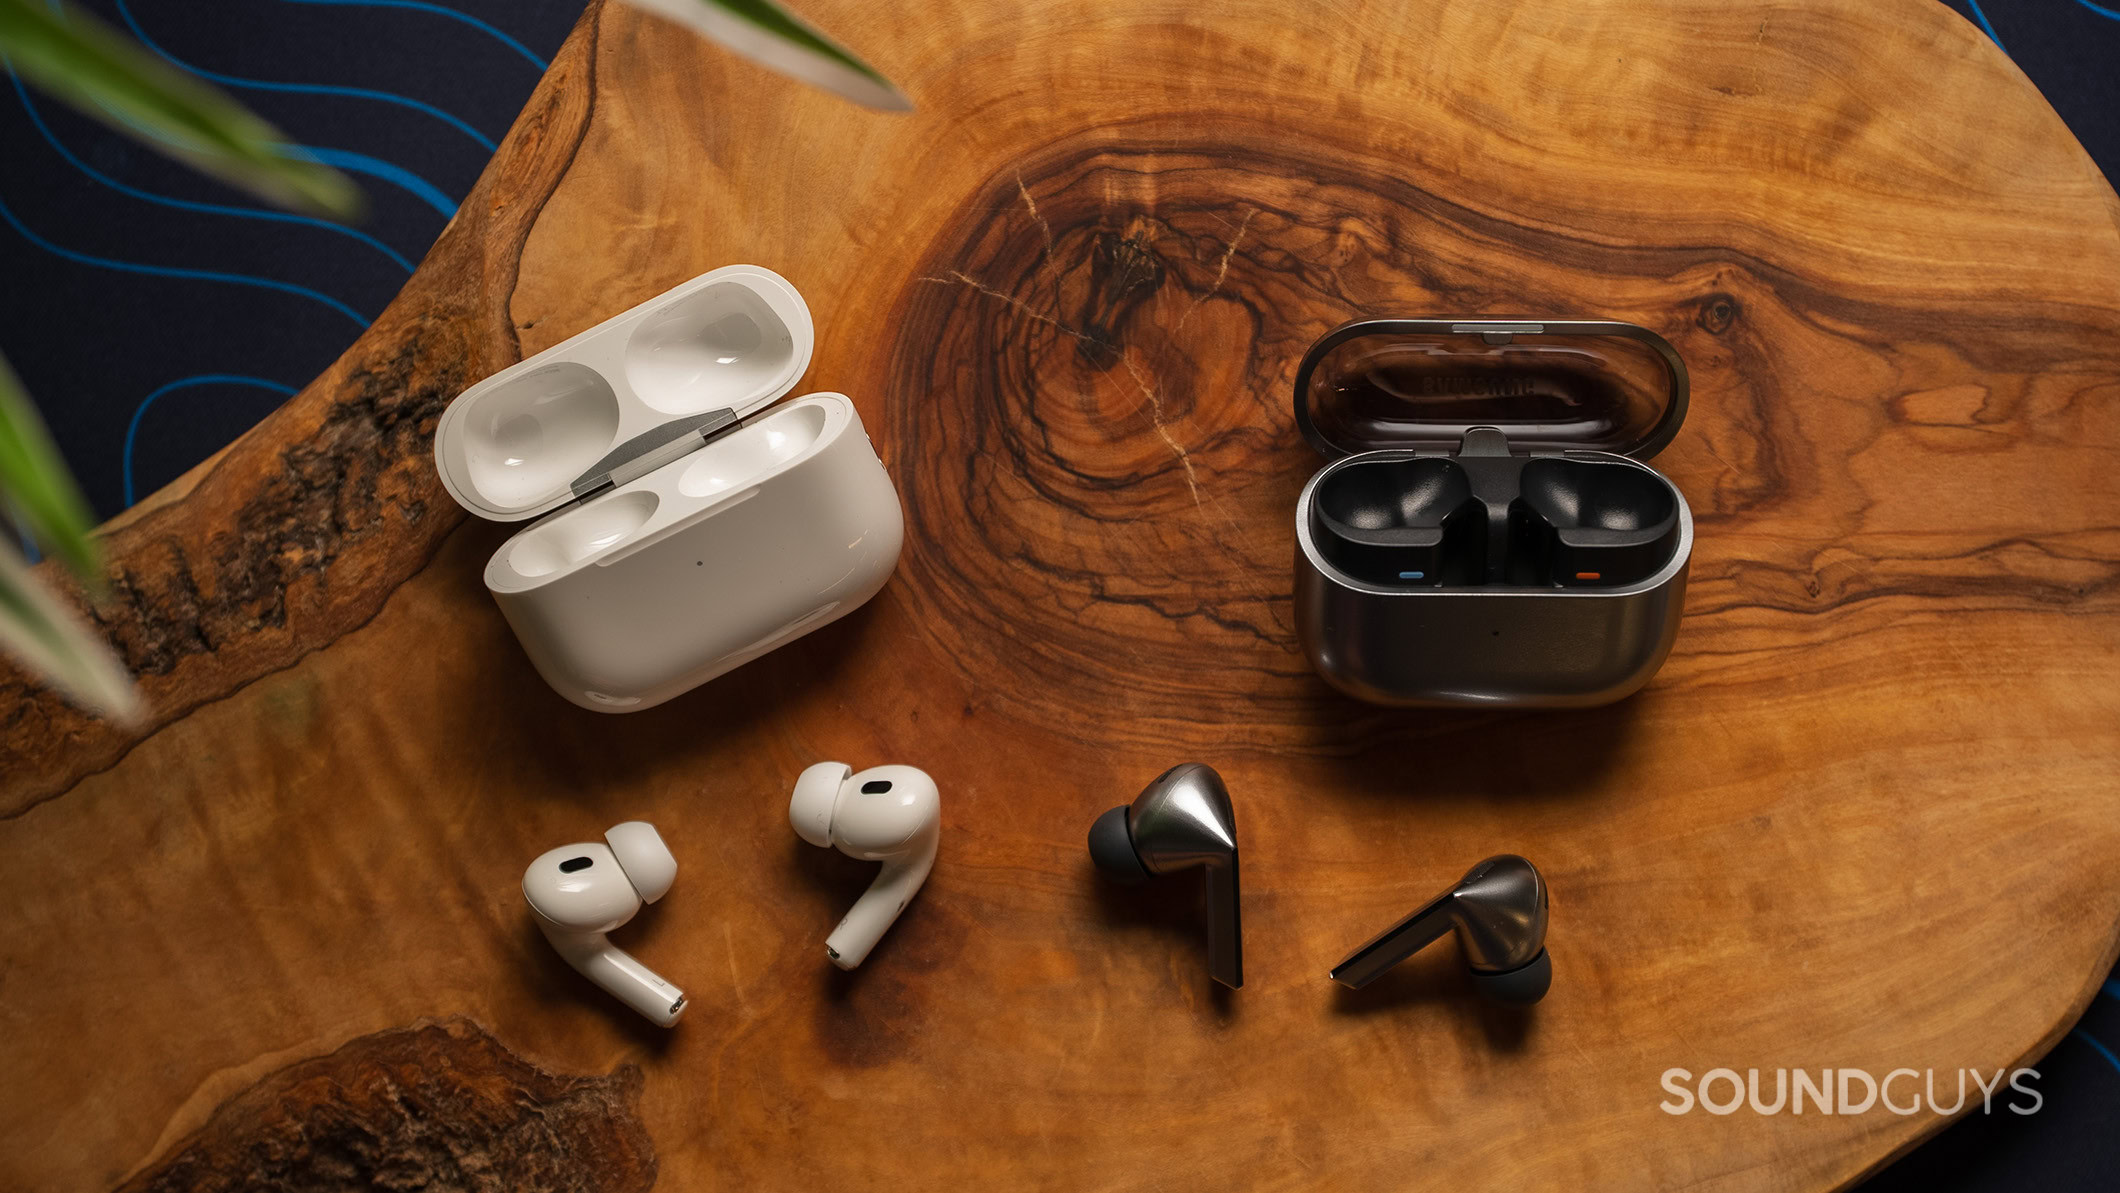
(1499, 913)
(1182, 820)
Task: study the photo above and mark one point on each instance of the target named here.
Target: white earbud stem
(878, 908)
(619, 973)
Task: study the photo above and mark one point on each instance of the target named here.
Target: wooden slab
(1866, 817)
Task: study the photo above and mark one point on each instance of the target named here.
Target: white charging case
(686, 528)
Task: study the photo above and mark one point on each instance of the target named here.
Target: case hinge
(1483, 441)
(1498, 334)
(650, 450)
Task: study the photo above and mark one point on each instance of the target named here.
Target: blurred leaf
(41, 631)
(39, 490)
(771, 36)
(77, 58)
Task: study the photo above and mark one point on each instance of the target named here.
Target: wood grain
(1866, 816)
(440, 1106)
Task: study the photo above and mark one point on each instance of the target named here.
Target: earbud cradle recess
(683, 527)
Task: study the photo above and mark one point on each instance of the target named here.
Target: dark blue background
(134, 290)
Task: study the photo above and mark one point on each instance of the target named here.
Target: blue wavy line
(440, 11)
(132, 429)
(361, 163)
(255, 213)
(1972, 4)
(344, 159)
(2103, 1051)
(171, 271)
(302, 88)
(2101, 10)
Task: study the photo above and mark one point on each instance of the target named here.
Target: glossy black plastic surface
(1548, 385)
(1397, 520)
(1404, 521)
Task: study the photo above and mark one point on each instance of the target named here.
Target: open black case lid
(1548, 385)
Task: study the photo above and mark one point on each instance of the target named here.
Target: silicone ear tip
(1519, 987)
(816, 792)
(1111, 846)
(648, 863)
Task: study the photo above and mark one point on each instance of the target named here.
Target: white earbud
(580, 892)
(888, 814)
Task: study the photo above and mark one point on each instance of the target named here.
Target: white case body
(700, 558)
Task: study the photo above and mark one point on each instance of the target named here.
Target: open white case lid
(632, 393)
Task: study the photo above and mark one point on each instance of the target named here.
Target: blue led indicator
(1411, 575)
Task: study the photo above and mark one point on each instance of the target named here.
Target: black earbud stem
(1519, 987)
(1111, 846)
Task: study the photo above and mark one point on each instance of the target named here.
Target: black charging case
(1486, 533)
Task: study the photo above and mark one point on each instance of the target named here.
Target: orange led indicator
(1589, 575)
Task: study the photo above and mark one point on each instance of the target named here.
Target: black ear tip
(1111, 846)
(1519, 987)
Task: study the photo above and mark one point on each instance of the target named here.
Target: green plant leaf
(771, 36)
(39, 490)
(80, 60)
(51, 640)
